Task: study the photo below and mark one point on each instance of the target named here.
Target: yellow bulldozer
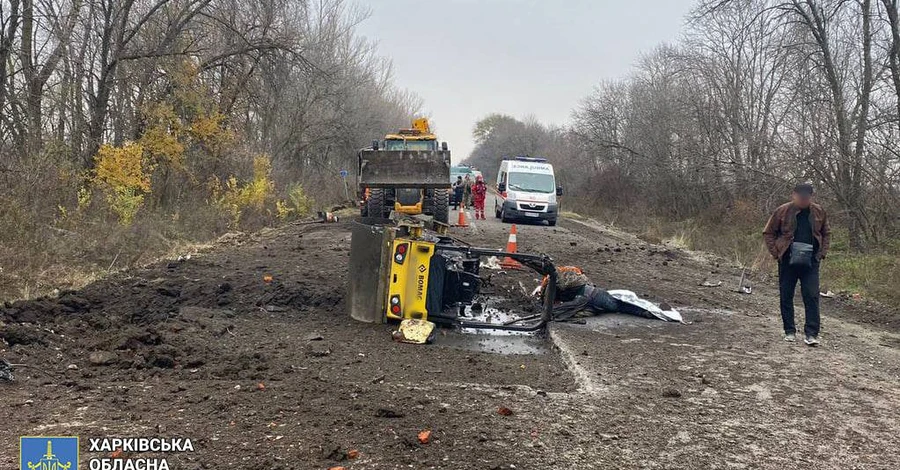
(406, 173)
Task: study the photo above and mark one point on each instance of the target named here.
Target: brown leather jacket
(779, 232)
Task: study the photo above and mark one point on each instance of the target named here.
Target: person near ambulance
(467, 192)
(458, 189)
(479, 194)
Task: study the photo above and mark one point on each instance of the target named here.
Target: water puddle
(495, 310)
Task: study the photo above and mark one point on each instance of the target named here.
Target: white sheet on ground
(491, 263)
(632, 298)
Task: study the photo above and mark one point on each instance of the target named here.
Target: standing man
(798, 236)
(458, 189)
(467, 190)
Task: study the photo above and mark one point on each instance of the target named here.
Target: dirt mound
(165, 315)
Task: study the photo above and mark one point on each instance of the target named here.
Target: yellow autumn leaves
(124, 175)
(185, 127)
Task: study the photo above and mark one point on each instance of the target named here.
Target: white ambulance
(528, 190)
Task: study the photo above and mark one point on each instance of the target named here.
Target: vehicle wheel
(496, 211)
(503, 217)
(552, 223)
(375, 205)
(441, 208)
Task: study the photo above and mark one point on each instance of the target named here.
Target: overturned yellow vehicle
(407, 270)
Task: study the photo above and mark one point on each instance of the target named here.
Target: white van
(528, 190)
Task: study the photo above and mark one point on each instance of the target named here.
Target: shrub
(236, 198)
(298, 203)
(124, 175)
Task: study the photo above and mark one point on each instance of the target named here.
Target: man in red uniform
(479, 194)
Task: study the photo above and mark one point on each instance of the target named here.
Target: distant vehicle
(456, 172)
(527, 187)
(461, 170)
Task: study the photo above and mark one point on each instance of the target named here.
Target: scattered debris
(267, 278)
(6, 371)
(424, 436)
(261, 386)
(102, 358)
(314, 337)
(318, 349)
(671, 393)
(387, 413)
(414, 331)
(709, 283)
(504, 411)
(828, 294)
(352, 454)
(491, 262)
(328, 217)
(233, 238)
(744, 286)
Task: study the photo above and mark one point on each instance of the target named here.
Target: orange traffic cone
(462, 218)
(508, 262)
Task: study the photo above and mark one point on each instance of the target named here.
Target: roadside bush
(238, 199)
(298, 204)
(123, 174)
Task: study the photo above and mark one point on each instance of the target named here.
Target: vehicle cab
(528, 191)
(419, 137)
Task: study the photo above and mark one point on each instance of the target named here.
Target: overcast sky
(469, 58)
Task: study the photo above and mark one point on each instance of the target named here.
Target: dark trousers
(457, 197)
(809, 289)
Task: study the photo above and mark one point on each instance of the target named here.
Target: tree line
(756, 96)
(163, 119)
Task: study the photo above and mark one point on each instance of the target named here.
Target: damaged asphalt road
(269, 373)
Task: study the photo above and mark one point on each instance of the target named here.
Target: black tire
(441, 205)
(503, 217)
(552, 223)
(375, 205)
(496, 211)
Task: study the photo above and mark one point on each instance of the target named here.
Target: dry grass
(739, 240)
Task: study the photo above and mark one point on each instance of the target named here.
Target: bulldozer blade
(404, 168)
